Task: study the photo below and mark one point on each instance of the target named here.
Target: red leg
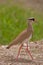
(29, 52)
(19, 50)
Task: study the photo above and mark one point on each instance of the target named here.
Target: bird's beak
(36, 21)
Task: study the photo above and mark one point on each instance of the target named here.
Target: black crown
(31, 19)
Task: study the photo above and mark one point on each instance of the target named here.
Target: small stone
(9, 63)
(25, 44)
(40, 56)
(34, 57)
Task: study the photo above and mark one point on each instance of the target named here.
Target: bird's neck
(29, 28)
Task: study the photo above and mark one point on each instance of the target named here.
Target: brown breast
(24, 35)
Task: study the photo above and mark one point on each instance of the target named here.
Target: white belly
(27, 40)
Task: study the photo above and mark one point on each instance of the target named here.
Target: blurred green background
(13, 20)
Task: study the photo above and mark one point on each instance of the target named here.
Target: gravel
(8, 56)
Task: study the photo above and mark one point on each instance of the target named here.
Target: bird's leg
(19, 50)
(29, 51)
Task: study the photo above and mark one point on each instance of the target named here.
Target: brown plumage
(23, 35)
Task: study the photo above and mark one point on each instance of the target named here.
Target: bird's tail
(14, 42)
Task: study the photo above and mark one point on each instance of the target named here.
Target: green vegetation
(13, 20)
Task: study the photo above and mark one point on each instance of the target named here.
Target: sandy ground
(8, 56)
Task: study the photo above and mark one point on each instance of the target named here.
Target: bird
(24, 37)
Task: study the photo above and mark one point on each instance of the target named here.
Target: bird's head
(31, 20)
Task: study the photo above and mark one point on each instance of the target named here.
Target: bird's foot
(16, 58)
